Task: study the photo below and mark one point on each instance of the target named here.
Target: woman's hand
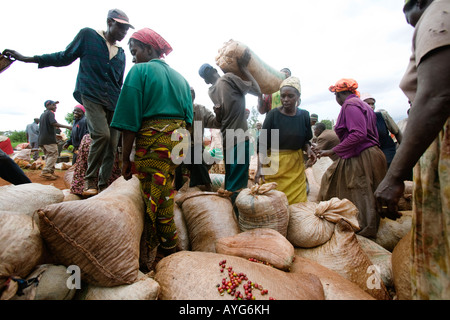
(258, 176)
(324, 153)
(127, 146)
(126, 169)
(387, 196)
(312, 157)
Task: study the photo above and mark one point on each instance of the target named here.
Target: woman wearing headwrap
(79, 129)
(154, 102)
(361, 165)
(81, 165)
(287, 167)
(425, 147)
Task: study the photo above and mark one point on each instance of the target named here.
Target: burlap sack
(335, 286)
(320, 167)
(390, 232)
(70, 196)
(101, 235)
(145, 288)
(208, 217)
(268, 78)
(195, 275)
(313, 185)
(401, 268)
(380, 257)
(312, 224)
(21, 246)
(217, 181)
(263, 207)
(48, 282)
(263, 244)
(344, 255)
(183, 235)
(253, 168)
(405, 203)
(68, 177)
(29, 197)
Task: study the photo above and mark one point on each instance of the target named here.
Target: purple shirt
(356, 128)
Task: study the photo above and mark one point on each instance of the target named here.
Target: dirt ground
(33, 175)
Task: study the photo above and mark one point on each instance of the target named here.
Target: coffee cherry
(234, 280)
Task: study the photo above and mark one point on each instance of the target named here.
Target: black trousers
(199, 173)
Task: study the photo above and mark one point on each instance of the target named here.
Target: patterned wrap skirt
(431, 223)
(155, 170)
(81, 164)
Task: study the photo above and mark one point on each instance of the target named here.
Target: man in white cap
(99, 81)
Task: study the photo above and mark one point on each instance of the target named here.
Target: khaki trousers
(51, 156)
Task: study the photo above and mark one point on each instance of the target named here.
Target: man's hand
(387, 197)
(244, 59)
(12, 54)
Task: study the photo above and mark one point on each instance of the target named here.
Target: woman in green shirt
(154, 102)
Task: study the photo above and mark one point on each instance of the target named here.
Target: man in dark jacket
(99, 81)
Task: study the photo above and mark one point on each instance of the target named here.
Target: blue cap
(46, 103)
(205, 70)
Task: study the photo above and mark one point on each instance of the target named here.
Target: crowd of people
(371, 156)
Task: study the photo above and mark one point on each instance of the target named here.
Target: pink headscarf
(81, 107)
(150, 37)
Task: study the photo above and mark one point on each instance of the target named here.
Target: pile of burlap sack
(304, 251)
(55, 246)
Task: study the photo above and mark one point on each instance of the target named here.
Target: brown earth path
(33, 175)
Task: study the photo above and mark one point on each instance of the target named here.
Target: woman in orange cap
(361, 165)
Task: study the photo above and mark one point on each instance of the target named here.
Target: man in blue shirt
(98, 85)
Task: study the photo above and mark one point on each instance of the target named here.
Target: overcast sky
(320, 41)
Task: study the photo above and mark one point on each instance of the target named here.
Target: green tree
(17, 136)
(328, 124)
(69, 118)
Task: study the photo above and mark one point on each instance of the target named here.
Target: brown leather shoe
(89, 192)
(48, 176)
